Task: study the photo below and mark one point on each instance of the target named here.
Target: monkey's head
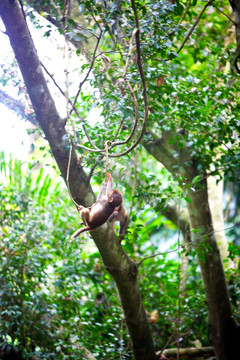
(115, 198)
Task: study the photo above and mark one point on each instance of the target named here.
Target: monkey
(100, 211)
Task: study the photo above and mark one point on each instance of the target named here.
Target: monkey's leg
(85, 215)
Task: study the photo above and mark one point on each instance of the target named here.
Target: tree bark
(215, 198)
(189, 353)
(181, 219)
(123, 270)
(17, 106)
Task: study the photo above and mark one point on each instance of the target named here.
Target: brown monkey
(100, 211)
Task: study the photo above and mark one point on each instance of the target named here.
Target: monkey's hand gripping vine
(106, 208)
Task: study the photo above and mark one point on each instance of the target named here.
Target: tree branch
(194, 25)
(189, 353)
(18, 107)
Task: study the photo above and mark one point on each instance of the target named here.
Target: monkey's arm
(109, 184)
(102, 191)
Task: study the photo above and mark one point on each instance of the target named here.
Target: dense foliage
(56, 297)
(55, 294)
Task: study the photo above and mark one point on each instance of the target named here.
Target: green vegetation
(157, 105)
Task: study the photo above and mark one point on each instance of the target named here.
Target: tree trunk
(180, 218)
(223, 329)
(123, 270)
(215, 197)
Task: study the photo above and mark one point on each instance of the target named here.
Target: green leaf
(197, 179)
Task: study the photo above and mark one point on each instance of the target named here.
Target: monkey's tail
(79, 231)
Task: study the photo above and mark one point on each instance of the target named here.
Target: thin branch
(194, 25)
(95, 20)
(79, 27)
(185, 12)
(118, 130)
(126, 141)
(129, 52)
(75, 110)
(232, 21)
(139, 62)
(57, 9)
(185, 245)
(114, 144)
(89, 70)
(155, 255)
(92, 169)
(89, 149)
(108, 52)
(18, 107)
(133, 189)
(53, 80)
